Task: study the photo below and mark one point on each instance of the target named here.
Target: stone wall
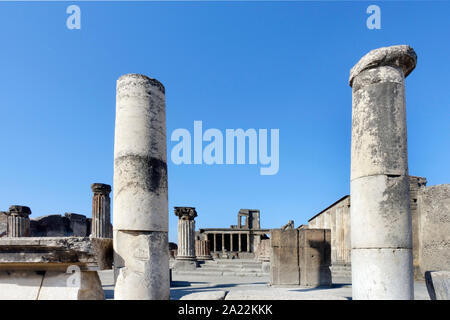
(54, 225)
(434, 228)
(300, 257)
(3, 223)
(430, 212)
(336, 218)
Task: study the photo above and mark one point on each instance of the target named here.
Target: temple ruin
(238, 241)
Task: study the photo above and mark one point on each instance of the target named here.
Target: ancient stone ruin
(53, 257)
(390, 229)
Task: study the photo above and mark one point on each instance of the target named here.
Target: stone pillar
(223, 242)
(380, 209)
(186, 232)
(240, 242)
(140, 190)
(18, 223)
(248, 242)
(101, 211)
(231, 242)
(202, 250)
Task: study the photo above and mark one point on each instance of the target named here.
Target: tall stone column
(380, 209)
(186, 238)
(140, 190)
(18, 222)
(101, 211)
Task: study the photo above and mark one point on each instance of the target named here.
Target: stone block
(380, 212)
(50, 285)
(141, 265)
(315, 257)
(284, 268)
(438, 284)
(434, 227)
(392, 268)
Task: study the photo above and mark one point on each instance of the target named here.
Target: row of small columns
(18, 221)
(231, 241)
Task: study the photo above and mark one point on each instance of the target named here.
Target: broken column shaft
(18, 222)
(380, 209)
(140, 190)
(101, 211)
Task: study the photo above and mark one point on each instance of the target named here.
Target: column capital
(185, 213)
(21, 211)
(101, 188)
(400, 56)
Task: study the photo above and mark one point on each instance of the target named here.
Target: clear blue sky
(231, 65)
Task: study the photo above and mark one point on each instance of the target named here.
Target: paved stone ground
(248, 288)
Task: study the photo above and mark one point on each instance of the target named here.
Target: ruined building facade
(238, 241)
(430, 212)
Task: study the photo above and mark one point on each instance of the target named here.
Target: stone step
(220, 273)
(230, 270)
(230, 266)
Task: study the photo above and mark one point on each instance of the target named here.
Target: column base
(204, 257)
(184, 265)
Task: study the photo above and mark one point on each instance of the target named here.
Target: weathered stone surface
(50, 285)
(381, 209)
(22, 211)
(77, 224)
(186, 235)
(3, 223)
(401, 56)
(379, 141)
(142, 265)
(101, 211)
(382, 274)
(55, 225)
(46, 253)
(284, 268)
(434, 227)
(140, 190)
(18, 222)
(315, 257)
(140, 155)
(438, 284)
(416, 184)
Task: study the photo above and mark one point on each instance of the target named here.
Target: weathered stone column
(186, 238)
(140, 190)
(101, 211)
(18, 224)
(380, 210)
(202, 250)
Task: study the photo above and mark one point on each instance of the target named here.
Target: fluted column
(186, 232)
(101, 211)
(380, 209)
(202, 250)
(18, 223)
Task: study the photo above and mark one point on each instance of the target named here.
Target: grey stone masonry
(18, 224)
(101, 211)
(140, 195)
(381, 231)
